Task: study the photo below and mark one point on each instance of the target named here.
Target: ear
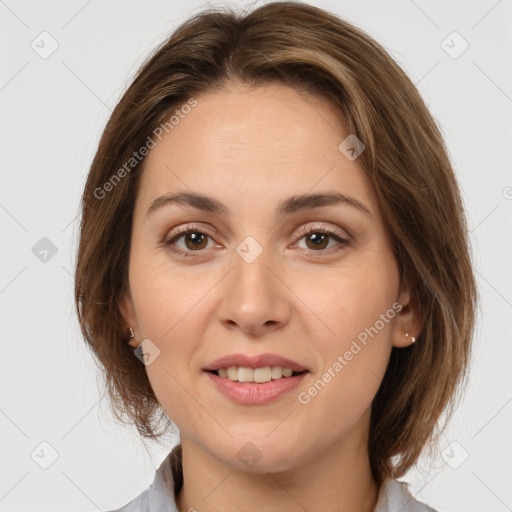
(408, 320)
(128, 312)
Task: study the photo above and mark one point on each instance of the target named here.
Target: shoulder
(159, 497)
(395, 495)
(138, 504)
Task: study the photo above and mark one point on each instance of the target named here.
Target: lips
(250, 393)
(258, 361)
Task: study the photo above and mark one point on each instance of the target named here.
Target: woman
(274, 257)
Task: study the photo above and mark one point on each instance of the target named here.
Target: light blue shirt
(394, 496)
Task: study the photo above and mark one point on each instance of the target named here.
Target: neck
(339, 479)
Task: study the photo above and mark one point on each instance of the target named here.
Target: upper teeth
(245, 374)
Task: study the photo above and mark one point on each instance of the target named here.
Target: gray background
(53, 110)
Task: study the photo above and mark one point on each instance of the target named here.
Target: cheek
(167, 296)
(356, 305)
(170, 312)
(341, 397)
(350, 300)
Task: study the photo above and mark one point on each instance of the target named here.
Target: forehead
(266, 141)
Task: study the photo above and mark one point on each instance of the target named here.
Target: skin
(294, 300)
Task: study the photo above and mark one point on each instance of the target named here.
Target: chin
(258, 453)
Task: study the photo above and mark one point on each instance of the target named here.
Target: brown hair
(405, 160)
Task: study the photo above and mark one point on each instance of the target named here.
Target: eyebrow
(291, 205)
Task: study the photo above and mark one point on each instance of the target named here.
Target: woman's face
(250, 281)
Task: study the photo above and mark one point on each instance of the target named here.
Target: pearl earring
(413, 339)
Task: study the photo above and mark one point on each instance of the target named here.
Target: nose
(254, 296)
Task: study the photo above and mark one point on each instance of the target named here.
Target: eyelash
(305, 231)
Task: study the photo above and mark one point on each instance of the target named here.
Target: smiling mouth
(255, 375)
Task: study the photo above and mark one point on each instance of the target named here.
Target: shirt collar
(167, 483)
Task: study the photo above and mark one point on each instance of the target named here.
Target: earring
(413, 339)
(132, 334)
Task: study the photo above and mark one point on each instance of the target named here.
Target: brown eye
(317, 241)
(194, 240)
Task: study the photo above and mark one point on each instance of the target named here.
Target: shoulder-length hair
(405, 160)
